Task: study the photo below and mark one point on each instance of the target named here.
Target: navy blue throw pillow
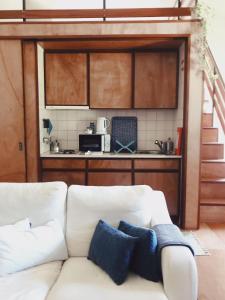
(111, 250)
(144, 261)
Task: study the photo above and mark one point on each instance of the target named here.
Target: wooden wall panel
(166, 182)
(110, 80)
(155, 80)
(12, 160)
(66, 78)
(31, 110)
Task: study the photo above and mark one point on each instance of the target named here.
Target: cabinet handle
(20, 146)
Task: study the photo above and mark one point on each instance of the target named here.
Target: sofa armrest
(179, 272)
(160, 214)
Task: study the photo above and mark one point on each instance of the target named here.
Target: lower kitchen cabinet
(161, 174)
(168, 183)
(109, 178)
(69, 177)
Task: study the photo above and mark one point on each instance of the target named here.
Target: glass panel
(139, 3)
(11, 5)
(62, 4)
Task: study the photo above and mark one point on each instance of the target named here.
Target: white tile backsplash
(152, 124)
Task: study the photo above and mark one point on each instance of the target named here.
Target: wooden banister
(215, 85)
(95, 13)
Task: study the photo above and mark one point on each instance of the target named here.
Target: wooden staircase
(212, 184)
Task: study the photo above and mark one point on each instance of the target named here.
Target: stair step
(212, 188)
(212, 201)
(209, 134)
(212, 151)
(207, 120)
(213, 169)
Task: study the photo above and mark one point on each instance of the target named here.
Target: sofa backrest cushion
(88, 204)
(40, 202)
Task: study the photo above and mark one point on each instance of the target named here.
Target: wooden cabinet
(12, 143)
(118, 80)
(113, 164)
(110, 80)
(160, 174)
(62, 163)
(66, 79)
(163, 175)
(109, 178)
(71, 171)
(168, 183)
(69, 177)
(155, 83)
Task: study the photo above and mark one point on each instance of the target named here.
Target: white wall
(215, 34)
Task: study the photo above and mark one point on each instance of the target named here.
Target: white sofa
(78, 209)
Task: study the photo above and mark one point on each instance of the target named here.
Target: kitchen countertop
(48, 154)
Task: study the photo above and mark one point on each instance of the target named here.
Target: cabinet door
(155, 80)
(69, 177)
(109, 178)
(66, 78)
(168, 183)
(110, 80)
(12, 154)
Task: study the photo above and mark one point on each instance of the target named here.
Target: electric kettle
(102, 125)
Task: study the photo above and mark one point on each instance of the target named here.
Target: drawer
(63, 163)
(113, 164)
(161, 164)
(69, 177)
(108, 178)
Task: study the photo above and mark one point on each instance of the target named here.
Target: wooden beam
(95, 13)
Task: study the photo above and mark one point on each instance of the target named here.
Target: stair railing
(215, 85)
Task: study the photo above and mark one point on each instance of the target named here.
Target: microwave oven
(94, 142)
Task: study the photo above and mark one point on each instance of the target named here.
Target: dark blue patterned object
(144, 260)
(111, 250)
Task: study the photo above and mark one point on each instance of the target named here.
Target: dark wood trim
(88, 79)
(45, 89)
(132, 79)
(24, 8)
(48, 37)
(95, 13)
(24, 110)
(211, 204)
(185, 125)
(38, 131)
(177, 79)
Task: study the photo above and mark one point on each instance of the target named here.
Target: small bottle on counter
(169, 146)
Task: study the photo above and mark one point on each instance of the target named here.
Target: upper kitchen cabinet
(110, 80)
(66, 79)
(155, 83)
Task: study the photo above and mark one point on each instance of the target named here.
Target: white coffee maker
(102, 125)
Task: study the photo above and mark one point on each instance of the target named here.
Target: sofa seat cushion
(33, 283)
(82, 279)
